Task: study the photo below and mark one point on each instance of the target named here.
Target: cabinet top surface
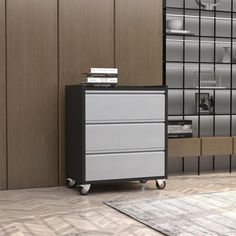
(118, 87)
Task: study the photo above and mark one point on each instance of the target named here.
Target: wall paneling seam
(58, 91)
(6, 115)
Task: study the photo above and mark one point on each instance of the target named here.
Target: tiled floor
(62, 211)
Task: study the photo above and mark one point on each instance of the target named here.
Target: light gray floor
(62, 211)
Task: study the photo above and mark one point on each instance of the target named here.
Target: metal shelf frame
(199, 39)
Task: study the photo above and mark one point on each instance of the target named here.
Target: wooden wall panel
(139, 42)
(32, 93)
(86, 40)
(2, 98)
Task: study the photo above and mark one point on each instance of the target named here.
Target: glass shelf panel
(225, 5)
(234, 125)
(174, 77)
(234, 102)
(211, 24)
(175, 102)
(190, 102)
(174, 3)
(222, 102)
(206, 126)
(174, 51)
(222, 126)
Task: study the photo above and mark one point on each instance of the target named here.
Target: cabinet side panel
(75, 133)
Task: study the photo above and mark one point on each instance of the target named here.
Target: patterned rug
(208, 214)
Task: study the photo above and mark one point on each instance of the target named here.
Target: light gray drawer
(128, 165)
(122, 107)
(101, 138)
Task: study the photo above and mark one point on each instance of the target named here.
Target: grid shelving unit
(208, 50)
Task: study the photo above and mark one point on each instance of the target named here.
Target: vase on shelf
(227, 55)
(206, 5)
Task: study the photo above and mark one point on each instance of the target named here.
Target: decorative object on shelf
(208, 79)
(202, 103)
(227, 55)
(208, 4)
(212, 105)
(174, 24)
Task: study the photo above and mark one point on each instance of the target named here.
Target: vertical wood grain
(86, 40)
(139, 39)
(32, 95)
(2, 98)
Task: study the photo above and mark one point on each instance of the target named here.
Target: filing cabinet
(115, 134)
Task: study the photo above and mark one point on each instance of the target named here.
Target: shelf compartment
(213, 146)
(184, 147)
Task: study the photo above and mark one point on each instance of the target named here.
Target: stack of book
(101, 77)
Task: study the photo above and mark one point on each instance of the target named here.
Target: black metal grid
(199, 63)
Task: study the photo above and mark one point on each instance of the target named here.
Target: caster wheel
(70, 183)
(84, 189)
(143, 181)
(161, 184)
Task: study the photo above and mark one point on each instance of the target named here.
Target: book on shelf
(100, 75)
(103, 80)
(103, 71)
(182, 32)
(103, 77)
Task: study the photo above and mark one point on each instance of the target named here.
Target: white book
(103, 71)
(179, 31)
(101, 80)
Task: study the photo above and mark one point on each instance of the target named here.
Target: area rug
(201, 215)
